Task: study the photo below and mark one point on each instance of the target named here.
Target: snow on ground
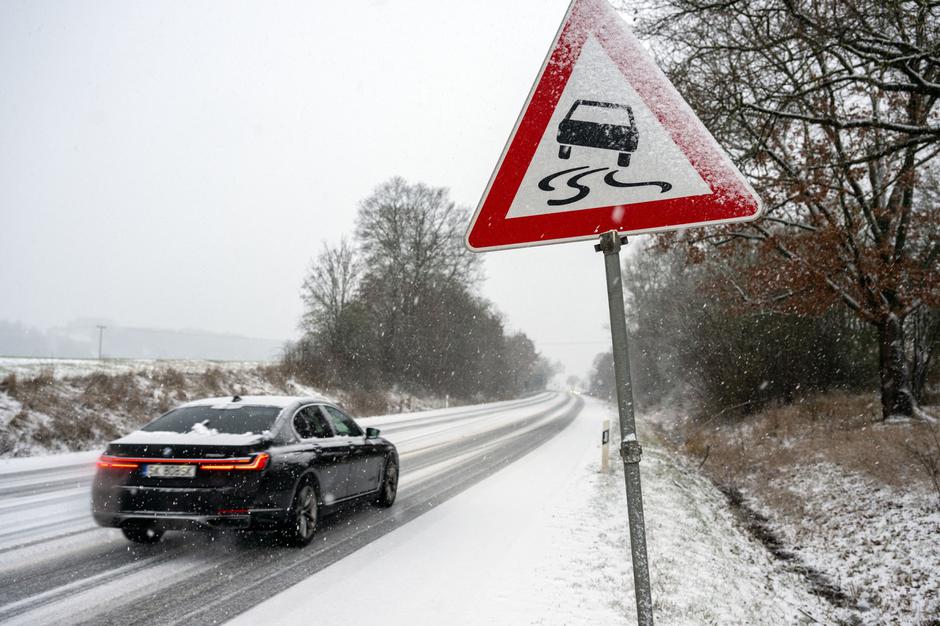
(705, 569)
(63, 405)
(839, 497)
(879, 544)
(545, 541)
(9, 408)
(66, 368)
(32, 463)
(60, 405)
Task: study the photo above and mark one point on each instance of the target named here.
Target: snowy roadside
(544, 541)
(880, 545)
(56, 406)
(57, 413)
(836, 494)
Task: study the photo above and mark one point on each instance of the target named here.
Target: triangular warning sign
(605, 142)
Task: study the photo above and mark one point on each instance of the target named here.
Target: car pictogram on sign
(602, 125)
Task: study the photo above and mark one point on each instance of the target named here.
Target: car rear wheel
(564, 152)
(389, 485)
(623, 160)
(142, 533)
(305, 513)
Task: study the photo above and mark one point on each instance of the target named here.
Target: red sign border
(733, 201)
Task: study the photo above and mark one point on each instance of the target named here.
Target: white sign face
(600, 103)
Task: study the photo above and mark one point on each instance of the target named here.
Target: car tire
(142, 533)
(623, 160)
(389, 489)
(304, 515)
(564, 152)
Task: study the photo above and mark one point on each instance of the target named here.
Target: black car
(258, 463)
(602, 125)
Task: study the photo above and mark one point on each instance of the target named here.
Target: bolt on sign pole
(630, 450)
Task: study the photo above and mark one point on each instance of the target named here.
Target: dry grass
(83, 411)
(848, 498)
(8, 384)
(368, 402)
(840, 428)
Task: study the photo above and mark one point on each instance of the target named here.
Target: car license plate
(169, 470)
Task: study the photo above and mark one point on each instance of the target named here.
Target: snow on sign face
(605, 142)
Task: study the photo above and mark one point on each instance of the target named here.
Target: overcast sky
(177, 164)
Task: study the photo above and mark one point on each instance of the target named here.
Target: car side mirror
(372, 433)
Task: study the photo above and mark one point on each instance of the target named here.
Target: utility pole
(100, 334)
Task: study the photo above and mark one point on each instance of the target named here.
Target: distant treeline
(395, 306)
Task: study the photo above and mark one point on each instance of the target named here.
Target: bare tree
(411, 236)
(415, 232)
(831, 110)
(330, 287)
(399, 308)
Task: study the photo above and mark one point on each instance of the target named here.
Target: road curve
(56, 566)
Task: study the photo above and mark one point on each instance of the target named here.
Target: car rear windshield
(207, 419)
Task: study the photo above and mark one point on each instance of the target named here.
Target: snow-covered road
(57, 567)
(545, 541)
(539, 541)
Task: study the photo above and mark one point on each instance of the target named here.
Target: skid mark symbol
(573, 182)
(613, 182)
(583, 190)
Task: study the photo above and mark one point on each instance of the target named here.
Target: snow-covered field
(545, 541)
(66, 368)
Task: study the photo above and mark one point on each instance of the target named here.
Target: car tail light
(256, 463)
(112, 462)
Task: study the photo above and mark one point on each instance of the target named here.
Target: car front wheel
(304, 516)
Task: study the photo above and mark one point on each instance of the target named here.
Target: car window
(209, 419)
(342, 423)
(321, 426)
(308, 422)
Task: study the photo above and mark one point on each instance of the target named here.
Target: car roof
(281, 402)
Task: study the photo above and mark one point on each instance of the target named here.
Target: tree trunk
(896, 397)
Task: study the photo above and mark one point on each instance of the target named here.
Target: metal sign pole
(630, 451)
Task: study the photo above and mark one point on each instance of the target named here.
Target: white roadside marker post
(605, 448)
(630, 450)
